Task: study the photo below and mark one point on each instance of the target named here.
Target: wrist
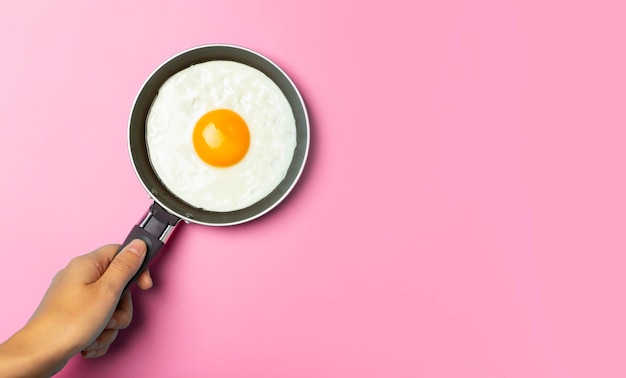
(27, 354)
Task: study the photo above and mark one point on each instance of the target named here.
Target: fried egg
(220, 135)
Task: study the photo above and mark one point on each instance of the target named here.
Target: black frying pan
(167, 210)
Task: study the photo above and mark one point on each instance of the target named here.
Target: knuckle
(109, 291)
(124, 321)
(76, 262)
(123, 318)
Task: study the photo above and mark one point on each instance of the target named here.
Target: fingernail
(90, 354)
(137, 246)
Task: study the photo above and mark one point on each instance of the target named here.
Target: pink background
(462, 213)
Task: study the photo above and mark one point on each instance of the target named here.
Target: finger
(103, 341)
(144, 281)
(95, 353)
(124, 265)
(88, 268)
(123, 314)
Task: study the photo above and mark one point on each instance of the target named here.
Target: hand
(82, 311)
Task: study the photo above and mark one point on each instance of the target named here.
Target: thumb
(125, 264)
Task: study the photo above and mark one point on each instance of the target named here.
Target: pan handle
(154, 229)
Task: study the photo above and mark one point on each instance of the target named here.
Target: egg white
(194, 91)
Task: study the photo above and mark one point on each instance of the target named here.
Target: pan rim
(305, 127)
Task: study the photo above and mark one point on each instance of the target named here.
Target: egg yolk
(221, 138)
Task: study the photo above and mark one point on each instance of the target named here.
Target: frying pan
(167, 210)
